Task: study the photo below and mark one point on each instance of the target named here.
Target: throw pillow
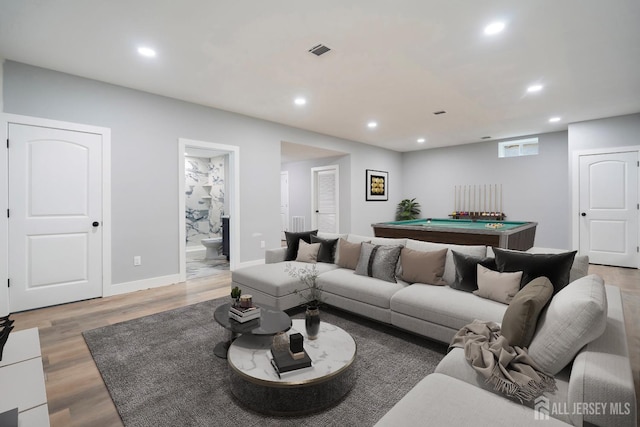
(467, 270)
(521, 317)
(575, 316)
(308, 252)
(293, 240)
(327, 251)
(556, 267)
(423, 267)
(348, 254)
(378, 261)
(501, 287)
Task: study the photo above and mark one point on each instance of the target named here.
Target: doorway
(208, 203)
(325, 198)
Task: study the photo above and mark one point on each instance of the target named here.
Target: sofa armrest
(601, 374)
(272, 256)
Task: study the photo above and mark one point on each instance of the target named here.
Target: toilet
(214, 246)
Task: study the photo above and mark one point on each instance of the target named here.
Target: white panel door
(284, 204)
(55, 200)
(326, 199)
(609, 208)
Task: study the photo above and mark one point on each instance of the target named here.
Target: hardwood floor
(75, 391)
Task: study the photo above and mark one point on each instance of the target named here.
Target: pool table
(503, 234)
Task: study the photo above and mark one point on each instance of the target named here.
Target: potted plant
(407, 209)
(311, 293)
(235, 294)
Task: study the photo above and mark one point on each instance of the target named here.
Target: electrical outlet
(262, 244)
(137, 260)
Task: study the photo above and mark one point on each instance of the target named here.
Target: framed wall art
(377, 185)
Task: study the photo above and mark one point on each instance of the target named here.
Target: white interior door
(55, 202)
(284, 203)
(325, 199)
(609, 208)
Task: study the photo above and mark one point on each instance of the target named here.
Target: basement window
(518, 148)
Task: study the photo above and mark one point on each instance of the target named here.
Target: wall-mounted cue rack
(478, 201)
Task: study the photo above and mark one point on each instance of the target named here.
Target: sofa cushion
(293, 242)
(368, 290)
(445, 306)
(466, 267)
(449, 268)
(440, 400)
(575, 316)
(501, 287)
(272, 279)
(520, 319)
(308, 252)
(327, 250)
(378, 261)
(579, 268)
(423, 267)
(348, 254)
(556, 267)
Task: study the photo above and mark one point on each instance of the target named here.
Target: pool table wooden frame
(521, 237)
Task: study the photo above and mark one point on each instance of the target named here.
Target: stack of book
(284, 362)
(244, 314)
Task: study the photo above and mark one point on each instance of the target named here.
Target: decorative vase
(312, 321)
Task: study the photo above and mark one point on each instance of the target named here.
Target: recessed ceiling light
(300, 101)
(421, 140)
(372, 125)
(554, 119)
(534, 88)
(147, 51)
(494, 28)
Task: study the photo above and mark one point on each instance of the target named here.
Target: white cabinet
(22, 379)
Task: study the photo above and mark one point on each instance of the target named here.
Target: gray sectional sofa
(594, 388)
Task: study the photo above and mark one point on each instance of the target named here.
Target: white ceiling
(395, 62)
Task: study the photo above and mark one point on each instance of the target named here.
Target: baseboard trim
(138, 285)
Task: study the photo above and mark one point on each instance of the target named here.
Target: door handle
(583, 214)
(95, 224)
(317, 211)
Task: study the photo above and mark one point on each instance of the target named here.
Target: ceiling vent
(319, 50)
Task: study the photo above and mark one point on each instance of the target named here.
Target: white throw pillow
(501, 287)
(575, 316)
(308, 252)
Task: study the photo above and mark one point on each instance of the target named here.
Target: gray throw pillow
(575, 316)
(378, 261)
(521, 317)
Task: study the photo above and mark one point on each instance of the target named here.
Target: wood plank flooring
(76, 393)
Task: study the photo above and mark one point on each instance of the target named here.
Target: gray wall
(145, 129)
(300, 188)
(612, 132)
(535, 188)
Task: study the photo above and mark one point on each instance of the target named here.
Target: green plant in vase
(235, 294)
(311, 294)
(408, 209)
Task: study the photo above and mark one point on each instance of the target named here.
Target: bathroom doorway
(208, 195)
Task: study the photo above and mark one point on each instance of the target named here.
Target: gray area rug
(161, 371)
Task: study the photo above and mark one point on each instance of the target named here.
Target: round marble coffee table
(254, 381)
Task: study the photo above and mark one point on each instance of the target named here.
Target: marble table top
(331, 353)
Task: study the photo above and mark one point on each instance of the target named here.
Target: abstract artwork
(377, 185)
